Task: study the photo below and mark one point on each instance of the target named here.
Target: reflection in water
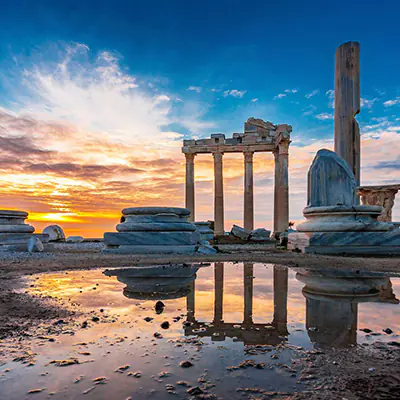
(246, 330)
(332, 300)
(159, 282)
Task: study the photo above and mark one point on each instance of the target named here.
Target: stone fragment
(260, 235)
(240, 232)
(75, 239)
(331, 181)
(55, 232)
(206, 249)
(186, 364)
(35, 245)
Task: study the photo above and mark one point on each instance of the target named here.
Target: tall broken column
(347, 105)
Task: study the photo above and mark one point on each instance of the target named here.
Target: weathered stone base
(349, 243)
(150, 249)
(155, 238)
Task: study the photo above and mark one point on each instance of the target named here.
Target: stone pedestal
(14, 232)
(150, 230)
(332, 299)
(383, 196)
(158, 282)
(335, 223)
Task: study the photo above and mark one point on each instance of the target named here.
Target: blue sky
(156, 72)
(258, 47)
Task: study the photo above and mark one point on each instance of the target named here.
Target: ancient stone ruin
(258, 136)
(16, 235)
(150, 230)
(335, 223)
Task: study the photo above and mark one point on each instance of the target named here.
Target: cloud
(254, 100)
(235, 93)
(196, 89)
(390, 103)
(309, 110)
(324, 116)
(391, 164)
(331, 95)
(312, 94)
(367, 103)
(286, 91)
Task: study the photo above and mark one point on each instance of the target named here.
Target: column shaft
(218, 195)
(248, 214)
(248, 293)
(190, 192)
(281, 190)
(280, 299)
(218, 292)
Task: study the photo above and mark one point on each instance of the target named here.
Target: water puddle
(221, 330)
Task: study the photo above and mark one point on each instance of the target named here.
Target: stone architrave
(347, 105)
(335, 223)
(382, 195)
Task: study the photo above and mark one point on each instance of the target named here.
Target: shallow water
(225, 315)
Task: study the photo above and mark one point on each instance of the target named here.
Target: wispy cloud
(196, 89)
(331, 95)
(312, 94)
(235, 93)
(285, 93)
(324, 116)
(254, 100)
(393, 102)
(368, 103)
(309, 110)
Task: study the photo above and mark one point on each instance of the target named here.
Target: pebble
(186, 364)
(194, 391)
(388, 331)
(165, 325)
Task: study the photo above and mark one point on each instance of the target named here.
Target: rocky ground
(363, 372)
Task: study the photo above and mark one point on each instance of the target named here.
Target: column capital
(248, 156)
(283, 147)
(217, 155)
(190, 157)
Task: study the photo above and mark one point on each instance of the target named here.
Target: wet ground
(222, 330)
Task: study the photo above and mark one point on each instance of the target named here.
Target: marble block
(156, 226)
(55, 232)
(150, 249)
(330, 181)
(14, 232)
(153, 238)
(240, 232)
(204, 228)
(164, 230)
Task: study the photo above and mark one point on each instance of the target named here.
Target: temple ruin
(258, 136)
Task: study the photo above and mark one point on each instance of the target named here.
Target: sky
(97, 96)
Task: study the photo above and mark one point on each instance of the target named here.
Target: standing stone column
(189, 192)
(280, 299)
(248, 214)
(218, 195)
(347, 105)
(281, 190)
(248, 293)
(218, 292)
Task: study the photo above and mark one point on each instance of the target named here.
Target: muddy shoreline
(329, 374)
